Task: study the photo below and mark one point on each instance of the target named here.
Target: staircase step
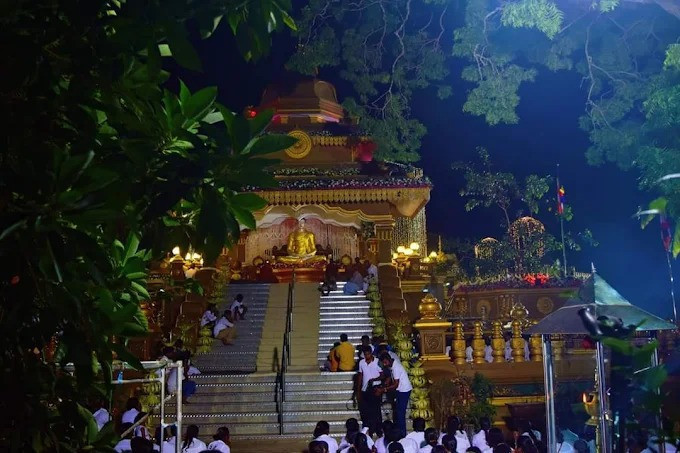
(218, 398)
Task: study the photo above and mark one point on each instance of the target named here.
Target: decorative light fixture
(176, 250)
(395, 256)
(432, 255)
(187, 257)
(414, 246)
(196, 256)
(201, 261)
(401, 249)
(408, 252)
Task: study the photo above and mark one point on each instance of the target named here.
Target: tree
(487, 188)
(101, 170)
(387, 51)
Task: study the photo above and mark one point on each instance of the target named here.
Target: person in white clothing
(418, 433)
(209, 316)
(369, 378)
(453, 430)
(431, 440)
(381, 443)
(562, 446)
(141, 429)
(238, 310)
(479, 439)
(400, 382)
(191, 443)
(101, 415)
(322, 433)
(224, 329)
(488, 352)
(124, 444)
(353, 428)
(221, 442)
(132, 408)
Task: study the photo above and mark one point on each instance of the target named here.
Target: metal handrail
(285, 354)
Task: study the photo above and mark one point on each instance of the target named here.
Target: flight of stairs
(340, 314)
(246, 403)
(241, 357)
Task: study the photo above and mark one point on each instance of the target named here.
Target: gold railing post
(536, 347)
(517, 342)
(432, 329)
(458, 345)
(497, 342)
(557, 346)
(478, 345)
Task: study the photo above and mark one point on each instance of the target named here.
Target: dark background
(603, 198)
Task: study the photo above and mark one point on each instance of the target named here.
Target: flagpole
(561, 214)
(670, 275)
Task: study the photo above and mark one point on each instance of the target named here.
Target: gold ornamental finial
(429, 307)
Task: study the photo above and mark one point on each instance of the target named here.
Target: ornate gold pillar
(432, 329)
(478, 345)
(383, 233)
(458, 345)
(497, 342)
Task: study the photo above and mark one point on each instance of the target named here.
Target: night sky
(603, 198)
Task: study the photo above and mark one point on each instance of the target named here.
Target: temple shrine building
(353, 205)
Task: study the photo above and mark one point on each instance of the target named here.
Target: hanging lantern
(365, 151)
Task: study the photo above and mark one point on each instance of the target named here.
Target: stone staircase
(340, 314)
(241, 357)
(247, 403)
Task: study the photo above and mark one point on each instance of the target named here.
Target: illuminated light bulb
(433, 255)
(414, 246)
(395, 256)
(196, 256)
(187, 256)
(401, 249)
(176, 251)
(426, 259)
(408, 252)
(201, 261)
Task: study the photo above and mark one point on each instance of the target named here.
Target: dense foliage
(387, 51)
(104, 168)
(525, 246)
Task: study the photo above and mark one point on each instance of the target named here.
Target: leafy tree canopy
(104, 168)
(387, 50)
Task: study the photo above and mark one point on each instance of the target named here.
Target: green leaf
(249, 201)
(107, 437)
(200, 103)
(240, 133)
(126, 356)
(658, 204)
(261, 120)
(131, 246)
(269, 143)
(621, 346)
(184, 93)
(12, 228)
(244, 217)
(676, 242)
(213, 117)
(654, 377)
(182, 50)
(91, 428)
(290, 23)
(164, 50)
(139, 289)
(131, 329)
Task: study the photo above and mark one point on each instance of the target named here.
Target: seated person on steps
(224, 329)
(238, 310)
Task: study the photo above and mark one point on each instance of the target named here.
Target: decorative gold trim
(334, 140)
(431, 324)
(303, 146)
(503, 400)
(413, 286)
(393, 195)
(330, 214)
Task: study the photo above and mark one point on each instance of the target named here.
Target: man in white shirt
(131, 410)
(368, 379)
(224, 330)
(209, 315)
(418, 433)
(401, 383)
(101, 415)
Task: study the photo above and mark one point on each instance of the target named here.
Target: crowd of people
(361, 273)
(136, 437)
(391, 438)
(224, 326)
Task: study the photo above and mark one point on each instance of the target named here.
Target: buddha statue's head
(301, 224)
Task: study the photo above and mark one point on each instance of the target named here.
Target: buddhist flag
(666, 236)
(560, 198)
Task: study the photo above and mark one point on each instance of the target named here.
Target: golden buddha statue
(301, 246)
